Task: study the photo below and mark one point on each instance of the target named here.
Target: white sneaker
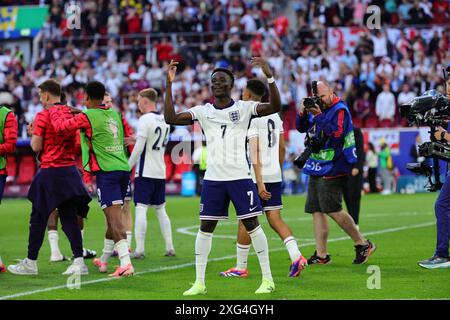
(23, 268)
(77, 269)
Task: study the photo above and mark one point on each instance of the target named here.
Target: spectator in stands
(441, 12)
(385, 104)
(33, 108)
(234, 45)
(114, 23)
(417, 13)
(384, 70)
(133, 21)
(249, 23)
(164, 50)
(217, 23)
(147, 19)
(349, 59)
(379, 45)
(406, 95)
(403, 10)
(362, 107)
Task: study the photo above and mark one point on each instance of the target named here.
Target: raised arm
(182, 118)
(64, 121)
(274, 104)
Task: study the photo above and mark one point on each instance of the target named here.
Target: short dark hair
(225, 70)
(95, 90)
(63, 98)
(256, 87)
(51, 86)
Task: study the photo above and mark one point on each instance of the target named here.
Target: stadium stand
(127, 45)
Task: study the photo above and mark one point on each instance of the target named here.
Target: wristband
(443, 135)
(271, 80)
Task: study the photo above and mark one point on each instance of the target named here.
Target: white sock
(108, 247)
(292, 248)
(165, 226)
(1, 262)
(140, 227)
(122, 250)
(242, 251)
(203, 244)
(82, 234)
(53, 239)
(129, 238)
(259, 241)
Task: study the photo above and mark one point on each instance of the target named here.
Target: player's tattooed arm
(274, 104)
(182, 118)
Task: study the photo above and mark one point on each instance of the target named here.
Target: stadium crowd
(127, 45)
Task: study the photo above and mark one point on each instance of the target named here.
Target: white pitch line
(186, 230)
(190, 264)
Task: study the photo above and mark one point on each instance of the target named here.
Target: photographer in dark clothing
(329, 120)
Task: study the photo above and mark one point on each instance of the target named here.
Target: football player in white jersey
(150, 183)
(225, 124)
(267, 152)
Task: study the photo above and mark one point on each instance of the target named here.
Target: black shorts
(324, 195)
(2, 185)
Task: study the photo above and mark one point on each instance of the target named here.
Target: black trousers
(69, 222)
(373, 180)
(352, 195)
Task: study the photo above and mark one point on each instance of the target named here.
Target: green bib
(3, 114)
(106, 143)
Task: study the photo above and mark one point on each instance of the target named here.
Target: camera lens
(308, 103)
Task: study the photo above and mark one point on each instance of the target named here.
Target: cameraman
(328, 167)
(440, 259)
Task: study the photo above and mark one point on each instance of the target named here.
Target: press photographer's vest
(3, 114)
(106, 143)
(331, 161)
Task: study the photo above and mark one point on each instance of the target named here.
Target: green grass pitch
(402, 227)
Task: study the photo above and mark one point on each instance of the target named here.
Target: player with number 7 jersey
(225, 124)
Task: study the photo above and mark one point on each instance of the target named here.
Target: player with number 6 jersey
(267, 151)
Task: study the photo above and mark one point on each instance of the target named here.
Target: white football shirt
(268, 130)
(153, 133)
(226, 139)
